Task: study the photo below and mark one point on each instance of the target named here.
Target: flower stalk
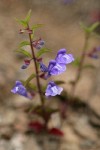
(80, 67)
(36, 70)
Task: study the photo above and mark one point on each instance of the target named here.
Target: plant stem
(36, 70)
(80, 67)
(38, 80)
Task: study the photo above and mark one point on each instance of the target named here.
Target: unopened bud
(41, 42)
(24, 66)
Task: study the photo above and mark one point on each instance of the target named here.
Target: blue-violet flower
(53, 89)
(55, 68)
(21, 90)
(63, 58)
(58, 65)
(43, 67)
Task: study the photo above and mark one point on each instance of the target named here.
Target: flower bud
(24, 66)
(41, 42)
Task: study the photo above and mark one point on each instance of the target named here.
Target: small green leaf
(90, 66)
(24, 43)
(42, 51)
(28, 17)
(94, 26)
(29, 85)
(30, 78)
(85, 28)
(24, 52)
(22, 22)
(33, 87)
(59, 82)
(76, 62)
(35, 26)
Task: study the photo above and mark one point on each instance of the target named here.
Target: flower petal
(53, 89)
(57, 69)
(61, 51)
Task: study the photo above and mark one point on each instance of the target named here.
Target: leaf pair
(25, 22)
(91, 28)
(27, 54)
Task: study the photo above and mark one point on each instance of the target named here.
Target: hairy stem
(36, 70)
(80, 67)
(38, 81)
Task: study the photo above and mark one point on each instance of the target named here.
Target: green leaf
(91, 28)
(94, 26)
(90, 66)
(30, 78)
(24, 52)
(28, 16)
(85, 28)
(59, 82)
(76, 62)
(33, 87)
(42, 51)
(22, 22)
(24, 43)
(29, 85)
(35, 26)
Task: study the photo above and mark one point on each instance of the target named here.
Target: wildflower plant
(79, 62)
(55, 67)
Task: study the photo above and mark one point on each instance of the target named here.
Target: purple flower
(21, 90)
(55, 69)
(43, 67)
(53, 89)
(63, 58)
(58, 65)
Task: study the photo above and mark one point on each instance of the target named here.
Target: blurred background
(61, 19)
